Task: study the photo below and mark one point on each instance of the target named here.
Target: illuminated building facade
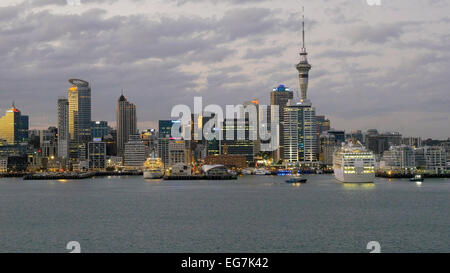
(79, 97)
(280, 96)
(300, 137)
(13, 127)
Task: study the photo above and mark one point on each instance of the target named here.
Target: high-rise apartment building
(126, 123)
(63, 128)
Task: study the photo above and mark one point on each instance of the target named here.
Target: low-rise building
(399, 158)
(136, 152)
(3, 165)
(230, 161)
(436, 159)
(97, 155)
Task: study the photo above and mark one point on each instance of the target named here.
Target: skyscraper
(13, 126)
(300, 140)
(126, 123)
(79, 97)
(63, 128)
(280, 96)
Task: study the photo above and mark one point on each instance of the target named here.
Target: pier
(200, 177)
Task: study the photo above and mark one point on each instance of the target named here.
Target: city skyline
(372, 78)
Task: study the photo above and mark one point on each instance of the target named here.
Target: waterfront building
(14, 127)
(178, 153)
(327, 148)
(181, 169)
(135, 152)
(126, 123)
(280, 97)
(399, 158)
(229, 160)
(3, 165)
(99, 129)
(436, 159)
(97, 155)
(63, 128)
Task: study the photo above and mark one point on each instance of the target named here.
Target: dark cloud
(372, 66)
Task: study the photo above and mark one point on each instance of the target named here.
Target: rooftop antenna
(13, 104)
(303, 27)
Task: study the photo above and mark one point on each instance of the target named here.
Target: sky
(373, 66)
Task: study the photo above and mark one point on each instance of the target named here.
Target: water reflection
(358, 186)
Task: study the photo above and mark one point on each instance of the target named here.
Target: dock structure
(200, 177)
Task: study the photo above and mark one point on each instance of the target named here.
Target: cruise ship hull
(153, 174)
(353, 178)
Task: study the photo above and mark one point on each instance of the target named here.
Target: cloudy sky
(385, 67)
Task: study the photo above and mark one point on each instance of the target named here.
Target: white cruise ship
(153, 168)
(353, 163)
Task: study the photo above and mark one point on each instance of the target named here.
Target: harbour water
(251, 214)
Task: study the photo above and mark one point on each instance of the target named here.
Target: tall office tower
(280, 96)
(13, 127)
(300, 140)
(23, 128)
(126, 123)
(79, 97)
(63, 128)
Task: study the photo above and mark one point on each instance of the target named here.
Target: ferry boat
(417, 178)
(153, 168)
(353, 163)
(296, 180)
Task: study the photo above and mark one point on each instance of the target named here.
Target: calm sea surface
(252, 214)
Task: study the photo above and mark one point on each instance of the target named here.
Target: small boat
(417, 178)
(296, 180)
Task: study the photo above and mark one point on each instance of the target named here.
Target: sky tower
(303, 66)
